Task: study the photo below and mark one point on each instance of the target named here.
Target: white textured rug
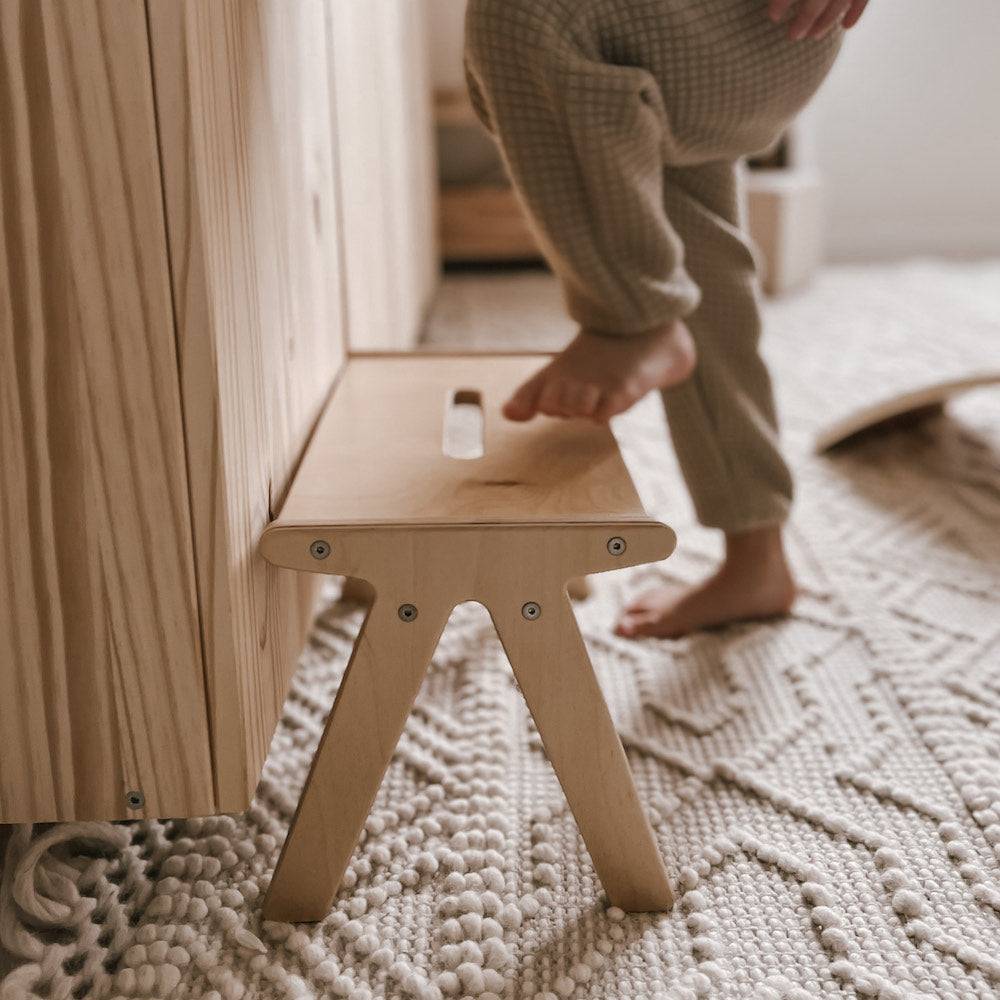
(825, 789)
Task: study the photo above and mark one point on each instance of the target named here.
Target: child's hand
(814, 18)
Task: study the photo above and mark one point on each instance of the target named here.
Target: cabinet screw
(616, 546)
(531, 611)
(408, 613)
(134, 800)
(319, 549)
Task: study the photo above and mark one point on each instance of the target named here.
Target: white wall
(906, 130)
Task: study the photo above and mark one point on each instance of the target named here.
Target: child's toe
(524, 404)
(579, 399)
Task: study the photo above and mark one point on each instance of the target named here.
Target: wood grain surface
(383, 433)
(484, 222)
(546, 502)
(246, 123)
(174, 313)
(101, 688)
(384, 108)
(431, 569)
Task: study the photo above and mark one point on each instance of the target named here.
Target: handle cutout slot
(463, 424)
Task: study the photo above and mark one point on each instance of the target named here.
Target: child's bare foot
(599, 376)
(754, 581)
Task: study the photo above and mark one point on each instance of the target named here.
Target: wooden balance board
(903, 408)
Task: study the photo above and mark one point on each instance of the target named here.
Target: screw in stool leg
(552, 666)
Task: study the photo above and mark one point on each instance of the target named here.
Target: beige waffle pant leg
(637, 243)
(583, 143)
(722, 420)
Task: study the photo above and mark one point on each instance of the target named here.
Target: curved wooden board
(905, 407)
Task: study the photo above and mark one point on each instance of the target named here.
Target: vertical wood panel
(158, 382)
(383, 105)
(101, 687)
(416, 173)
(246, 141)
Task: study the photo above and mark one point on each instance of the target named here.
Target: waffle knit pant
(622, 123)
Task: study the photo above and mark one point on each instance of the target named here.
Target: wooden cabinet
(179, 279)
(480, 220)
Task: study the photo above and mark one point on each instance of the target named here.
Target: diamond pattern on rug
(825, 789)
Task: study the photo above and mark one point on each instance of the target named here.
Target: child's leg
(583, 142)
(753, 582)
(586, 132)
(589, 100)
(722, 421)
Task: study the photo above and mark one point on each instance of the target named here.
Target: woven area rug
(825, 789)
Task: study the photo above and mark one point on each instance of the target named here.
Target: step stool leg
(554, 671)
(373, 702)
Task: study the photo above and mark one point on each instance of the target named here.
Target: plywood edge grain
(245, 139)
(168, 26)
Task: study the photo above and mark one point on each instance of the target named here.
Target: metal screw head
(531, 611)
(134, 800)
(319, 549)
(616, 546)
(408, 613)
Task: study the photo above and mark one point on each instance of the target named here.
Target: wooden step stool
(376, 498)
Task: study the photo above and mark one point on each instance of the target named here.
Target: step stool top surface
(377, 456)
